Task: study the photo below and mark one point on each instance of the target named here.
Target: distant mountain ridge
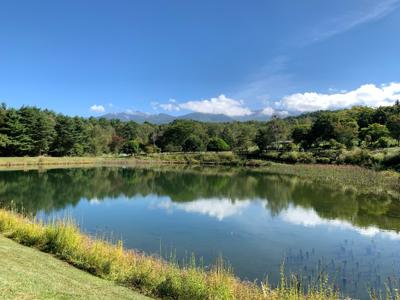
(140, 117)
(162, 118)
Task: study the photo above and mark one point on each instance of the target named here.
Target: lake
(254, 220)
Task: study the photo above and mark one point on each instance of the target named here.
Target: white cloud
(283, 113)
(310, 218)
(369, 12)
(217, 105)
(97, 108)
(215, 208)
(366, 95)
(94, 201)
(268, 111)
(169, 107)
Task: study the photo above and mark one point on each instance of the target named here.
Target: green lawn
(26, 273)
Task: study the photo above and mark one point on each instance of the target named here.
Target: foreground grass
(27, 273)
(143, 273)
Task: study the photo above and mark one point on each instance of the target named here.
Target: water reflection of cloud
(309, 218)
(216, 208)
(94, 201)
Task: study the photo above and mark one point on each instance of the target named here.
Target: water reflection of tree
(56, 189)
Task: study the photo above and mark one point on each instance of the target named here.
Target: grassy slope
(26, 273)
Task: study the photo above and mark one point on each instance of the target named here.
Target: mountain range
(162, 118)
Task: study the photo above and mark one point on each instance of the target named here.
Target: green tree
(364, 116)
(385, 142)
(175, 134)
(43, 133)
(323, 129)
(346, 132)
(19, 142)
(3, 143)
(116, 144)
(375, 131)
(300, 134)
(275, 131)
(228, 136)
(394, 126)
(63, 144)
(193, 144)
(99, 139)
(131, 147)
(217, 144)
(245, 136)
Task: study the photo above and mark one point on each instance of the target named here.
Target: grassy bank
(203, 158)
(227, 158)
(200, 158)
(48, 161)
(362, 180)
(146, 274)
(26, 273)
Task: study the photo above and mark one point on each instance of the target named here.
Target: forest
(360, 135)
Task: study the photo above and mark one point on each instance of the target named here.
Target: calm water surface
(253, 220)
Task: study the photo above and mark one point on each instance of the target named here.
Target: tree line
(30, 131)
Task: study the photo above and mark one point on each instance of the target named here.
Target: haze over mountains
(162, 118)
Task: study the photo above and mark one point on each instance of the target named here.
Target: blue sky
(90, 57)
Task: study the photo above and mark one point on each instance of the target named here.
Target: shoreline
(201, 159)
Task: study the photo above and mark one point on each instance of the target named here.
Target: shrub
(374, 132)
(331, 144)
(331, 154)
(357, 156)
(149, 149)
(378, 158)
(323, 160)
(306, 157)
(392, 161)
(291, 157)
(289, 146)
(193, 144)
(217, 144)
(271, 154)
(172, 148)
(131, 147)
(385, 142)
